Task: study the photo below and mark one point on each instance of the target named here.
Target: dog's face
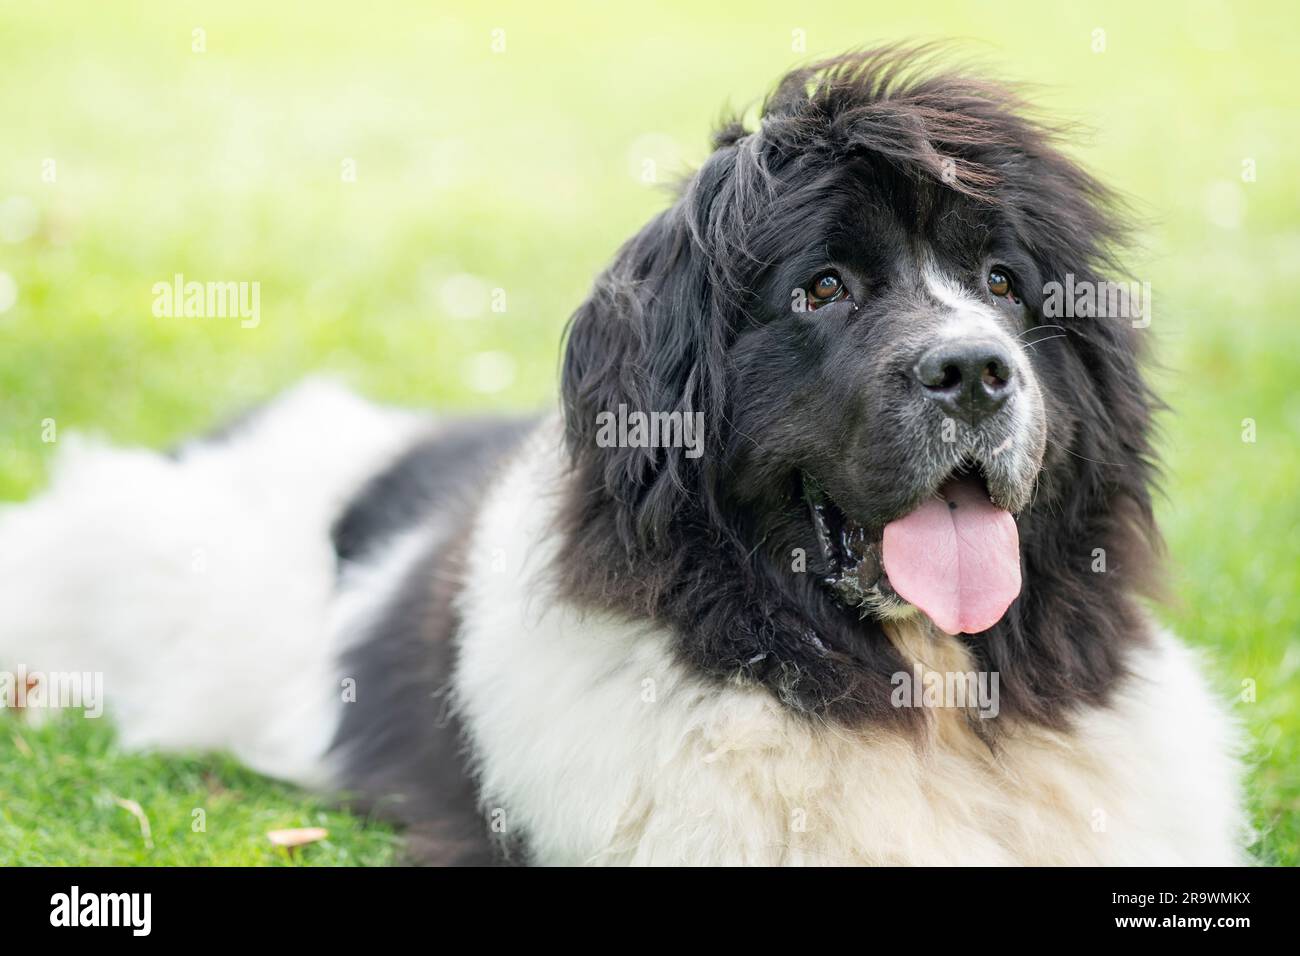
(887, 361)
(852, 296)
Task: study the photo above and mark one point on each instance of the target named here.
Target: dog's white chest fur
(611, 752)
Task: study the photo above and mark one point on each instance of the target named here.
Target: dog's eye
(1000, 283)
(827, 287)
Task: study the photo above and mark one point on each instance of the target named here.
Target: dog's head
(855, 299)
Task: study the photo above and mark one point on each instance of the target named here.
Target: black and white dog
(833, 554)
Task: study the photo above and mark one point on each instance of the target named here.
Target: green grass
(521, 170)
(62, 786)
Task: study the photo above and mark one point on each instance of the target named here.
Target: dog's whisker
(1096, 461)
(1039, 328)
(1048, 338)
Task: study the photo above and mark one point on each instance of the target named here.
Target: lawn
(424, 197)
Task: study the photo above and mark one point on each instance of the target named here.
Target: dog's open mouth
(956, 557)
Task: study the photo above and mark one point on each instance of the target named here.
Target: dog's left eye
(826, 288)
(999, 283)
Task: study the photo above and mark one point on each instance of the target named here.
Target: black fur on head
(888, 170)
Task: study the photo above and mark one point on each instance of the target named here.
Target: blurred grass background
(501, 149)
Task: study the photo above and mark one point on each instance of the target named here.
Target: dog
(837, 550)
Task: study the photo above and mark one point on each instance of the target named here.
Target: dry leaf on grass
(292, 839)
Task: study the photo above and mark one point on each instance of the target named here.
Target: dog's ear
(1076, 228)
(1066, 637)
(650, 338)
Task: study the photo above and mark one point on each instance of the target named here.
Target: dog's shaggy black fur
(860, 159)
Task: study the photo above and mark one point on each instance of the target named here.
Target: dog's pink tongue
(957, 559)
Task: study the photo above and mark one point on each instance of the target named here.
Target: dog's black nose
(970, 378)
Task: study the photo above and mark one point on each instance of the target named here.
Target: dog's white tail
(199, 586)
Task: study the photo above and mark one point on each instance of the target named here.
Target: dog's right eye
(826, 288)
